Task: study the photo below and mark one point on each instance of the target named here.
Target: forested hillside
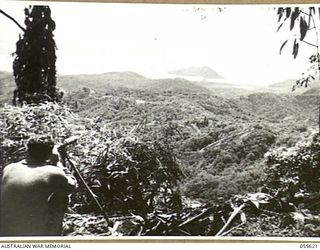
(210, 149)
(223, 139)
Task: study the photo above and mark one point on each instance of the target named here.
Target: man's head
(40, 149)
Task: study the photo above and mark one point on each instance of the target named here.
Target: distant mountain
(176, 84)
(7, 86)
(101, 82)
(69, 83)
(131, 80)
(6, 81)
(108, 82)
(80, 85)
(123, 75)
(205, 72)
(287, 87)
(312, 90)
(284, 86)
(126, 79)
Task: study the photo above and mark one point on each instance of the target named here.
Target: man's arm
(56, 160)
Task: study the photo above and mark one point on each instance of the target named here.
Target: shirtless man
(34, 193)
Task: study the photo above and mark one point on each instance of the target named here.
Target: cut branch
(92, 194)
(202, 215)
(12, 19)
(236, 211)
(230, 230)
(302, 12)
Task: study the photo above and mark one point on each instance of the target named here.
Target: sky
(240, 43)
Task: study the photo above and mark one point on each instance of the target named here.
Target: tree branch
(92, 194)
(317, 41)
(12, 19)
(236, 211)
(204, 214)
(309, 43)
(225, 233)
(302, 12)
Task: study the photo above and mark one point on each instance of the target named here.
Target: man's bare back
(33, 199)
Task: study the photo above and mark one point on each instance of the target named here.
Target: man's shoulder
(24, 166)
(16, 164)
(52, 169)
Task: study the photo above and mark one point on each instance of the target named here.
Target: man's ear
(54, 159)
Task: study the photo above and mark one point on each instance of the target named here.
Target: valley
(219, 134)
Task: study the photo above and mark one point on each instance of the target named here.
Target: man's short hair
(40, 148)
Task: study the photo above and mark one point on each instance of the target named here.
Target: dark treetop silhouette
(34, 64)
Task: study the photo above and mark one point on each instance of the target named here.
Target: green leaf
(312, 9)
(280, 13)
(309, 17)
(280, 26)
(288, 12)
(303, 28)
(285, 42)
(295, 48)
(294, 16)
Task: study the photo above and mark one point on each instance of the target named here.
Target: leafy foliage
(31, 121)
(126, 173)
(295, 172)
(132, 143)
(34, 65)
(133, 176)
(302, 21)
(220, 142)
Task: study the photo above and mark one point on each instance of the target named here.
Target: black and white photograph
(167, 120)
